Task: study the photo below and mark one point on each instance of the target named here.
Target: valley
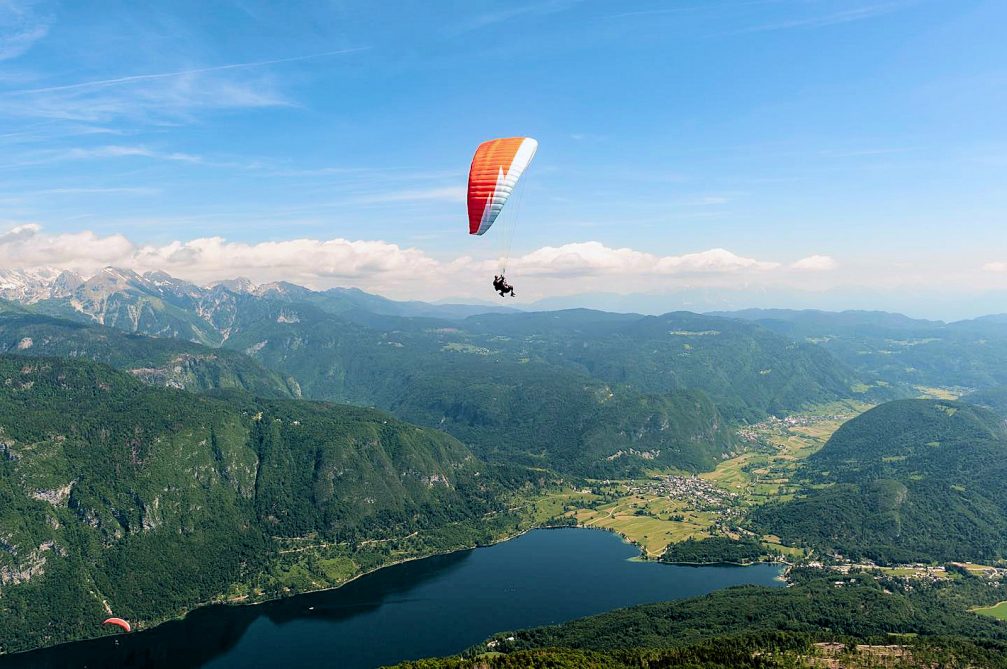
(271, 441)
(663, 509)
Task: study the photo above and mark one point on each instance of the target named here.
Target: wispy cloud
(863, 153)
(437, 194)
(702, 7)
(130, 152)
(154, 102)
(20, 28)
(158, 98)
(835, 18)
(123, 190)
(543, 7)
(53, 156)
(136, 78)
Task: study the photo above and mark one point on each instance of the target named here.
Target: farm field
(650, 521)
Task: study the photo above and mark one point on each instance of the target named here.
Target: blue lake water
(435, 606)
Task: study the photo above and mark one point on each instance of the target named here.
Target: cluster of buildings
(753, 433)
(700, 493)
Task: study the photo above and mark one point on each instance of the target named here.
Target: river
(435, 606)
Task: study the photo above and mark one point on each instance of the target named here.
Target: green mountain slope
(898, 349)
(159, 361)
(908, 480)
(994, 398)
(155, 500)
(503, 404)
(747, 370)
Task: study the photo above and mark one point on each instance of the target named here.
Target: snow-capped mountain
(28, 286)
(158, 304)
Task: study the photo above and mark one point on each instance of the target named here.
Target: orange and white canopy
(496, 168)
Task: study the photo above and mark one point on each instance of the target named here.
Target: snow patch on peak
(237, 285)
(28, 285)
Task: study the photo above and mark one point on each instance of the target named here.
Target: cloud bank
(389, 268)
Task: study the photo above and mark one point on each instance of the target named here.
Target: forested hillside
(748, 371)
(159, 361)
(908, 480)
(994, 398)
(152, 500)
(898, 349)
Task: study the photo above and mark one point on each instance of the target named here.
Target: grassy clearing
(998, 611)
(650, 521)
(338, 569)
(773, 543)
(557, 504)
(932, 393)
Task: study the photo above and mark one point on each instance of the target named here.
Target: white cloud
(386, 267)
(816, 263)
(594, 258)
(317, 263)
(714, 260)
(27, 246)
(995, 267)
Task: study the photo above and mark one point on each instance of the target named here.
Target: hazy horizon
(922, 305)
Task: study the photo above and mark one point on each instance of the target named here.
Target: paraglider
(501, 286)
(496, 168)
(119, 622)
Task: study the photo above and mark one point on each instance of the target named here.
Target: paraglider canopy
(119, 622)
(496, 168)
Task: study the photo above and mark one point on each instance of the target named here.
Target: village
(699, 493)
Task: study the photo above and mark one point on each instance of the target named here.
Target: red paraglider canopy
(120, 623)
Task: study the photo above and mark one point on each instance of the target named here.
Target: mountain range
(580, 391)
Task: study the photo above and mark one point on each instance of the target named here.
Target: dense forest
(912, 480)
(897, 349)
(716, 550)
(782, 650)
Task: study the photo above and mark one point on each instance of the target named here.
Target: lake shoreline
(641, 557)
(140, 626)
(428, 608)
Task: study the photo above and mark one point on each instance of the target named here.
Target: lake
(435, 606)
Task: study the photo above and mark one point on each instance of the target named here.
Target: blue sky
(852, 147)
